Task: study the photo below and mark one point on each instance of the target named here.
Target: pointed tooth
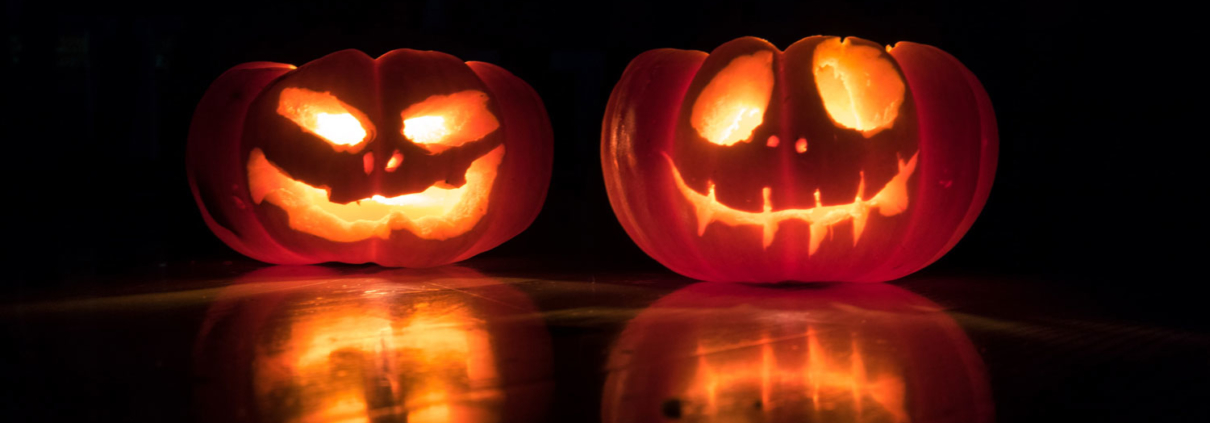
(770, 229)
(859, 226)
(818, 231)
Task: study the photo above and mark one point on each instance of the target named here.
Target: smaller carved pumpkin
(302, 344)
(834, 160)
(836, 353)
(412, 159)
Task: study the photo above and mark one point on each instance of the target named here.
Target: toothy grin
(436, 213)
(890, 201)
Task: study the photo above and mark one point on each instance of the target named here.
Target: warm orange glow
(733, 104)
(891, 200)
(436, 213)
(394, 162)
(832, 376)
(322, 114)
(367, 162)
(425, 129)
(772, 141)
(369, 362)
(860, 87)
(444, 121)
(801, 145)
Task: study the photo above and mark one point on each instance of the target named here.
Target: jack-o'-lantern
(839, 353)
(309, 344)
(834, 160)
(412, 159)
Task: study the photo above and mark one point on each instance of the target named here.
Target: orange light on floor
(859, 87)
(890, 201)
(324, 115)
(833, 376)
(733, 104)
(860, 353)
(346, 363)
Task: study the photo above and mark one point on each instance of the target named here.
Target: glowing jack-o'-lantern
(412, 159)
(835, 160)
(839, 353)
(309, 345)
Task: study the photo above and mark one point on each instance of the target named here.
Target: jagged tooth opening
(891, 200)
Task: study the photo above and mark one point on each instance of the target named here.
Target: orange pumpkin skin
(838, 353)
(243, 130)
(307, 343)
(807, 194)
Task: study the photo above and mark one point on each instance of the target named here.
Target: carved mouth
(891, 200)
(435, 214)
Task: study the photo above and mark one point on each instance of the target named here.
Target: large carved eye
(859, 86)
(322, 114)
(441, 122)
(733, 104)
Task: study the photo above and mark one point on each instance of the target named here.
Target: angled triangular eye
(322, 114)
(733, 104)
(859, 86)
(441, 122)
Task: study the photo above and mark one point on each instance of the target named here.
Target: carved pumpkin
(838, 353)
(413, 159)
(307, 344)
(835, 160)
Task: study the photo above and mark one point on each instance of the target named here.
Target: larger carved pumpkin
(307, 344)
(726, 352)
(412, 159)
(835, 160)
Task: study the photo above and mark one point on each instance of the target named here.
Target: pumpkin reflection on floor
(834, 353)
(311, 345)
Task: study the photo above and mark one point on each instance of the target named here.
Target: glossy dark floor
(488, 343)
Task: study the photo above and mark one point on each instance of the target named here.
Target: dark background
(1096, 108)
(1098, 191)
(1099, 113)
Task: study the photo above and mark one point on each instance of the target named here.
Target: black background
(1100, 114)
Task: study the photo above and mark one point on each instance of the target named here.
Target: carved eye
(322, 114)
(733, 104)
(441, 122)
(859, 86)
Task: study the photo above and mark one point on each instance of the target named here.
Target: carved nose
(367, 162)
(394, 162)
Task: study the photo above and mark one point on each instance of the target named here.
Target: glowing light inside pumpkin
(859, 86)
(324, 115)
(369, 362)
(425, 129)
(733, 104)
(441, 122)
(394, 162)
(890, 201)
(825, 375)
(436, 213)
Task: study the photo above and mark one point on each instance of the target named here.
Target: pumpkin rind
(943, 139)
(239, 118)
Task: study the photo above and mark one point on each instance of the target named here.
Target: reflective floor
(487, 343)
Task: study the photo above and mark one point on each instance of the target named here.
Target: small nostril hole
(772, 141)
(367, 162)
(801, 145)
(394, 162)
